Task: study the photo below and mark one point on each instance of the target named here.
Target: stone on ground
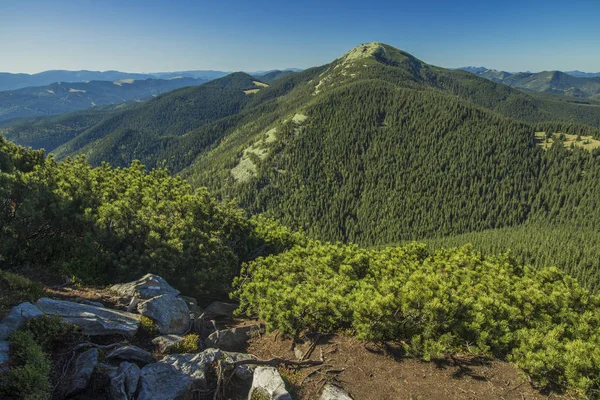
(220, 309)
(131, 353)
(92, 320)
(84, 367)
(163, 381)
(170, 313)
(332, 392)
(146, 287)
(124, 385)
(234, 339)
(268, 384)
(16, 317)
(166, 342)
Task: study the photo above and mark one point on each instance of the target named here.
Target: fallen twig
(306, 355)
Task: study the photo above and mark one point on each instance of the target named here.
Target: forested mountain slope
(381, 136)
(63, 97)
(377, 147)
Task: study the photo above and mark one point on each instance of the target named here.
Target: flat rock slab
(234, 339)
(267, 384)
(146, 287)
(171, 314)
(220, 309)
(16, 317)
(84, 368)
(332, 392)
(92, 320)
(166, 342)
(131, 353)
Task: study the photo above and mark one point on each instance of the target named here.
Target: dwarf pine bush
(451, 301)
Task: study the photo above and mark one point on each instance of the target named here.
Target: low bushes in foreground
(447, 302)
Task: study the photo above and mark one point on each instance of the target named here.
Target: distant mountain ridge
(571, 84)
(10, 81)
(61, 97)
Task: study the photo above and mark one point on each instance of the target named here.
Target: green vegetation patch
(16, 289)
(451, 301)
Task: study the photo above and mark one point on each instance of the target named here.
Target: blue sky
(153, 35)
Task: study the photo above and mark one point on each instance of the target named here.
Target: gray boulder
(234, 339)
(170, 313)
(176, 375)
(268, 384)
(124, 385)
(332, 392)
(16, 317)
(243, 372)
(220, 309)
(146, 287)
(84, 367)
(131, 353)
(192, 304)
(166, 342)
(162, 381)
(92, 320)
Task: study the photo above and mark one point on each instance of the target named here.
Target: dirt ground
(371, 373)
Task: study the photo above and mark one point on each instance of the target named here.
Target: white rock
(267, 383)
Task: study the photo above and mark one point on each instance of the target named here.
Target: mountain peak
(365, 50)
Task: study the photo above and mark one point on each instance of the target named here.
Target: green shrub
(50, 331)
(188, 345)
(449, 302)
(16, 289)
(147, 327)
(29, 378)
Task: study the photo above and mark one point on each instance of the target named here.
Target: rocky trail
(145, 341)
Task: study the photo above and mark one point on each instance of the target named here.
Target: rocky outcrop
(332, 392)
(166, 342)
(234, 339)
(16, 317)
(92, 320)
(220, 309)
(124, 384)
(131, 353)
(84, 367)
(268, 384)
(147, 287)
(170, 313)
(178, 374)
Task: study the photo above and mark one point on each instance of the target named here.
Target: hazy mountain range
(572, 83)
(10, 81)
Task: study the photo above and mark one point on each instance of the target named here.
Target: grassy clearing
(584, 142)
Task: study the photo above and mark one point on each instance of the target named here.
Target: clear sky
(250, 35)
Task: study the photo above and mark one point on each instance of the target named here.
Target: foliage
(16, 289)
(29, 378)
(103, 225)
(50, 331)
(147, 327)
(442, 303)
(188, 345)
